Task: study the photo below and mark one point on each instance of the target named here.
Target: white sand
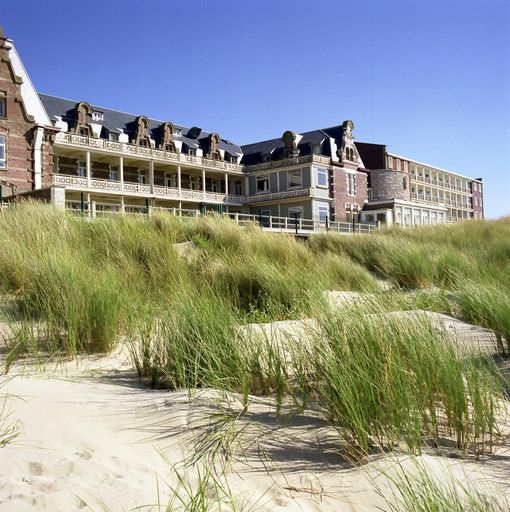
(91, 437)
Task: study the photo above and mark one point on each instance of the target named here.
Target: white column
(121, 172)
(122, 205)
(151, 176)
(226, 184)
(203, 183)
(179, 181)
(89, 169)
(312, 177)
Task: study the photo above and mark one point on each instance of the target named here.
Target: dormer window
(167, 137)
(214, 143)
(97, 116)
(142, 132)
(266, 158)
(114, 137)
(82, 113)
(192, 151)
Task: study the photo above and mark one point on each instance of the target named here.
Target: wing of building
(78, 155)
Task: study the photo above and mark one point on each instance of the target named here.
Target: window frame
(238, 188)
(113, 170)
(260, 179)
(295, 172)
(350, 184)
(3, 161)
(142, 177)
(3, 105)
(321, 208)
(81, 165)
(318, 172)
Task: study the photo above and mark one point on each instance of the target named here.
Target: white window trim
(321, 170)
(113, 169)
(323, 207)
(295, 172)
(84, 167)
(3, 162)
(141, 173)
(348, 184)
(263, 177)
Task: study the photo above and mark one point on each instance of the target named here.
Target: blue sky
(431, 78)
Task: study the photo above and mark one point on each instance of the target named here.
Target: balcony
(288, 162)
(125, 149)
(272, 196)
(128, 188)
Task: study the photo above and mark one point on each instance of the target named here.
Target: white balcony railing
(144, 189)
(84, 141)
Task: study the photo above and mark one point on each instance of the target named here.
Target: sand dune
(93, 438)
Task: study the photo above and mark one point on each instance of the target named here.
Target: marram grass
(79, 286)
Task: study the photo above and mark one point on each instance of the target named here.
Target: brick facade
(17, 127)
(339, 191)
(390, 184)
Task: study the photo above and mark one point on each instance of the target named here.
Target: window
(322, 177)
(84, 131)
(192, 183)
(3, 104)
(82, 169)
(142, 178)
(97, 116)
(404, 183)
(323, 212)
(295, 179)
(397, 164)
(295, 212)
(113, 136)
(390, 162)
(350, 184)
(406, 166)
(215, 186)
(170, 180)
(192, 152)
(2, 152)
(114, 173)
(262, 184)
(238, 188)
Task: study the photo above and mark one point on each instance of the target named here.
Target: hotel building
(82, 156)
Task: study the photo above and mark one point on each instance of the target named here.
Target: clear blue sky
(429, 78)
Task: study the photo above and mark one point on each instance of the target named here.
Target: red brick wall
(339, 191)
(17, 127)
(477, 191)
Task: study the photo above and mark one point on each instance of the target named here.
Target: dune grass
(80, 286)
(418, 489)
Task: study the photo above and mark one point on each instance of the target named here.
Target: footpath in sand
(92, 438)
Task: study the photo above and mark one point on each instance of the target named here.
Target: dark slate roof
(254, 153)
(114, 121)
